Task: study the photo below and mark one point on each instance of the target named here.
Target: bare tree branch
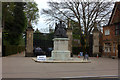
(84, 14)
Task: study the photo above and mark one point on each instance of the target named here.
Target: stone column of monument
(60, 51)
(95, 41)
(29, 42)
(69, 34)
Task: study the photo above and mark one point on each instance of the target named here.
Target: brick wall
(111, 38)
(112, 32)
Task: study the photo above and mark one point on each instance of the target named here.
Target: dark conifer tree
(19, 24)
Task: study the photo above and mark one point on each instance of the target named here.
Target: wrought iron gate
(42, 40)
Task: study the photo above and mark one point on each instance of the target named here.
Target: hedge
(12, 49)
(99, 54)
(77, 50)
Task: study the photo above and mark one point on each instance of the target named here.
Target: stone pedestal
(60, 51)
(29, 42)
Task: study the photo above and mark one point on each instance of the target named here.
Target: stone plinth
(29, 42)
(60, 51)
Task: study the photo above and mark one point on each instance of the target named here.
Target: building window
(117, 30)
(107, 32)
(107, 47)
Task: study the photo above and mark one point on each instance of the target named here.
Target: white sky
(42, 26)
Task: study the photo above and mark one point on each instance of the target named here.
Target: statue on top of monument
(60, 30)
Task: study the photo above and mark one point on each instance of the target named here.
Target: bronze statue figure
(60, 31)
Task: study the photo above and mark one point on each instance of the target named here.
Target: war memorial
(61, 52)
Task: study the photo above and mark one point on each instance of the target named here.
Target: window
(107, 47)
(117, 30)
(107, 32)
(113, 49)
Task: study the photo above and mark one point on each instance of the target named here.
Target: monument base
(60, 51)
(60, 55)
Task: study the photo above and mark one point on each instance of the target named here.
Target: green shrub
(99, 54)
(77, 50)
(12, 49)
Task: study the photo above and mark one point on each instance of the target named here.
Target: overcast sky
(42, 26)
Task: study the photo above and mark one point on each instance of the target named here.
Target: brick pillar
(29, 42)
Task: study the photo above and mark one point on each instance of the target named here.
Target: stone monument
(29, 42)
(95, 41)
(60, 31)
(60, 51)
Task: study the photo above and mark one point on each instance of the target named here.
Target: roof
(112, 24)
(116, 7)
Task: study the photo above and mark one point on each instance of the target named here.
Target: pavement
(18, 66)
(71, 60)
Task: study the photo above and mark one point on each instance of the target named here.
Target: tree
(83, 14)
(15, 19)
(14, 22)
(0, 12)
(31, 11)
(19, 24)
(7, 13)
(37, 31)
(7, 20)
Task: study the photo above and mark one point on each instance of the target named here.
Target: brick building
(111, 33)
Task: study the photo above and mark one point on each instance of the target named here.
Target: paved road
(61, 79)
(24, 67)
